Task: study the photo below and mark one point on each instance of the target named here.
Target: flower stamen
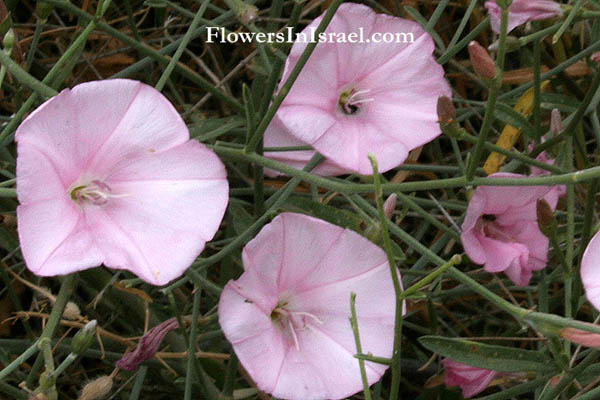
(293, 321)
(351, 100)
(96, 193)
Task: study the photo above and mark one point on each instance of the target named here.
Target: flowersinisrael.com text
(219, 35)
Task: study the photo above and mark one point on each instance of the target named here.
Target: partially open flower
(521, 11)
(471, 380)
(500, 229)
(106, 173)
(287, 316)
(352, 99)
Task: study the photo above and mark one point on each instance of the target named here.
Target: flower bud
(445, 110)
(245, 13)
(97, 388)
(9, 40)
(481, 61)
(390, 205)
(545, 216)
(84, 337)
(43, 10)
(583, 338)
(555, 122)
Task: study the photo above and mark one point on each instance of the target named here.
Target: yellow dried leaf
(510, 134)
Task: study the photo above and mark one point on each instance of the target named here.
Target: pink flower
(521, 11)
(500, 229)
(106, 173)
(595, 57)
(287, 316)
(471, 380)
(590, 271)
(148, 345)
(352, 99)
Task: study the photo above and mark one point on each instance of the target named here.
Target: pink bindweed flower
(287, 316)
(590, 271)
(501, 231)
(352, 99)
(148, 345)
(521, 11)
(106, 173)
(472, 380)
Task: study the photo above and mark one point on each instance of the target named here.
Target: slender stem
(455, 260)
(54, 72)
(287, 85)
(192, 345)
(361, 363)
(66, 289)
(19, 360)
(493, 95)
(182, 46)
(24, 77)
(387, 245)
(567, 21)
(345, 187)
(65, 364)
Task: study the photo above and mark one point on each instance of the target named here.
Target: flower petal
(257, 343)
(590, 271)
(149, 123)
(53, 234)
(172, 204)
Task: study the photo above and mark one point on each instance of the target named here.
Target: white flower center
(95, 192)
(351, 100)
(291, 322)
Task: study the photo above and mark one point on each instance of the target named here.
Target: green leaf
(515, 119)
(241, 218)
(497, 358)
(215, 127)
(343, 218)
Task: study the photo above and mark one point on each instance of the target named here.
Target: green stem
(54, 72)
(361, 363)
(387, 245)
(19, 360)
(287, 85)
(455, 260)
(152, 53)
(567, 21)
(25, 78)
(495, 86)
(336, 185)
(182, 46)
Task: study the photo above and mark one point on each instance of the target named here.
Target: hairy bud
(97, 389)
